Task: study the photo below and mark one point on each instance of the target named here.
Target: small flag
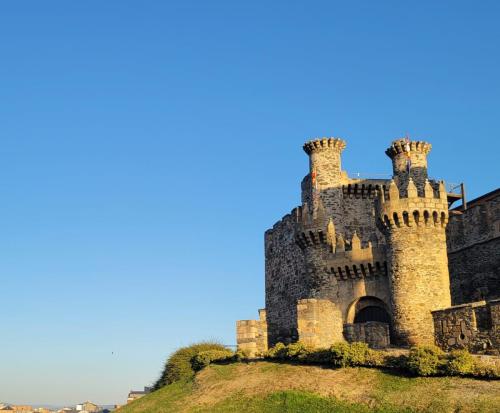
(314, 179)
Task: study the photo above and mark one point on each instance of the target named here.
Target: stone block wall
(473, 239)
(262, 336)
(251, 335)
(475, 272)
(374, 333)
(319, 323)
(474, 326)
(285, 280)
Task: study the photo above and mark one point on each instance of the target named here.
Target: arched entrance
(372, 313)
(368, 320)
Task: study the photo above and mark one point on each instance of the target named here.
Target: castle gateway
(383, 261)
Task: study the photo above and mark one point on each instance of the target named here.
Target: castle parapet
(413, 209)
(363, 190)
(344, 258)
(364, 262)
(401, 146)
(320, 144)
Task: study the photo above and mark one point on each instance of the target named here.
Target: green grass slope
(274, 387)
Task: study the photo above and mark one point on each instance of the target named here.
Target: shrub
(375, 359)
(339, 354)
(459, 363)
(297, 351)
(293, 352)
(179, 367)
(424, 360)
(277, 352)
(358, 353)
(396, 362)
(485, 371)
(421, 361)
(241, 355)
(319, 356)
(204, 358)
(344, 354)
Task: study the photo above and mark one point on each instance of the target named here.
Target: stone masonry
(373, 260)
(474, 326)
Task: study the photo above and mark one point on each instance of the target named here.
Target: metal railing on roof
(363, 175)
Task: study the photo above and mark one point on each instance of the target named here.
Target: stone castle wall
(473, 246)
(356, 243)
(473, 326)
(319, 323)
(285, 280)
(251, 335)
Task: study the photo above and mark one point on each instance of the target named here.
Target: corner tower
(414, 225)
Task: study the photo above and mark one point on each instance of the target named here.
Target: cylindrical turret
(409, 159)
(325, 174)
(324, 161)
(414, 227)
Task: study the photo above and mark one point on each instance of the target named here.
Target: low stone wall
(319, 323)
(373, 333)
(251, 335)
(474, 326)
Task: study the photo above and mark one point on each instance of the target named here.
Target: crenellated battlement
(363, 190)
(358, 262)
(321, 144)
(401, 145)
(311, 228)
(413, 210)
(343, 258)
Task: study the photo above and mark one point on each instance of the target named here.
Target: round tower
(325, 175)
(324, 161)
(409, 159)
(414, 227)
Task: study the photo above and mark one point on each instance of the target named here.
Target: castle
(382, 261)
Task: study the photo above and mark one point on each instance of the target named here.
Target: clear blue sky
(147, 145)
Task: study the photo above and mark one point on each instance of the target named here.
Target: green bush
(396, 362)
(345, 354)
(179, 366)
(459, 363)
(241, 355)
(203, 359)
(339, 354)
(375, 359)
(485, 371)
(279, 352)
(358, 353)
(293, 352)
(425, 360)
(297, 351)
(319, 356)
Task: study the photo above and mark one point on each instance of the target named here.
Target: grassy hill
(273, 387)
